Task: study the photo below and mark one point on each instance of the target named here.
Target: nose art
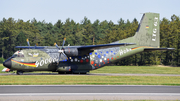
(7, 63)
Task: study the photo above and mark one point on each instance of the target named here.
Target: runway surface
(95, 74)
(89, 92)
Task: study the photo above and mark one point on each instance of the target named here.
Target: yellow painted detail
(26, 64)
(141, 47)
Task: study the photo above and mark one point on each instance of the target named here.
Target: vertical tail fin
(147, 33)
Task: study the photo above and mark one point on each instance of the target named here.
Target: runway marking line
(91, 94)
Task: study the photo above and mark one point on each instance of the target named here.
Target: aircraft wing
(31, 47)
(90, 47)
(79, 50)
(102, 46)
(82, 50)
(154, 49)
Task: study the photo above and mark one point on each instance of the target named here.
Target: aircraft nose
(7, 63)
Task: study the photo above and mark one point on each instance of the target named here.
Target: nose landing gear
(19, 72)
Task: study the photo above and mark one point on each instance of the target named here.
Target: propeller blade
(56, 45)
(63, 42)
(28, 42)
(61, 51)
(35, 46)
(64, 54)
(59, 57)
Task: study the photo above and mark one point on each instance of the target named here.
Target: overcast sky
(52, 10)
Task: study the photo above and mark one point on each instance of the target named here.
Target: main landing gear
(65, 73)
(72, 72)
(19, 72)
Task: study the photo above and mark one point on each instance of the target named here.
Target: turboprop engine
(71, 51)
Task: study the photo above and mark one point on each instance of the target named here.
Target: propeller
(29, 44)
(61, 51)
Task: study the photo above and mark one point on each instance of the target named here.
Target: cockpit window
(14, 55)
(20, 55)
(17, 55)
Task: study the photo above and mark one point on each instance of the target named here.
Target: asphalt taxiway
(89, 92)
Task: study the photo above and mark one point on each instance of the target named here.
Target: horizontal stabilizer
(160, 49)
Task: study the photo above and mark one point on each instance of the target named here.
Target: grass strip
(88, 80)
(130, 70)
(138, 70)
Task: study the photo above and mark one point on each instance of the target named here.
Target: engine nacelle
(76, 52)
(71, 51)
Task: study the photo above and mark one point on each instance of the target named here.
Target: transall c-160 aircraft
(82, 59)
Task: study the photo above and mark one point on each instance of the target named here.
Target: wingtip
(171, 48)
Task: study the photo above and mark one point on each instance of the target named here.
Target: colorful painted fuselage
(47, 59)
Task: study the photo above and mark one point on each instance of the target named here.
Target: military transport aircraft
(82, 59)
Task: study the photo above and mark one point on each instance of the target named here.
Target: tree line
(14, 33)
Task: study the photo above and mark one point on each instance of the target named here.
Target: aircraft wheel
(61, 72)
(19, 72)
(68, 72)
(75, 73)
(83, 73)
